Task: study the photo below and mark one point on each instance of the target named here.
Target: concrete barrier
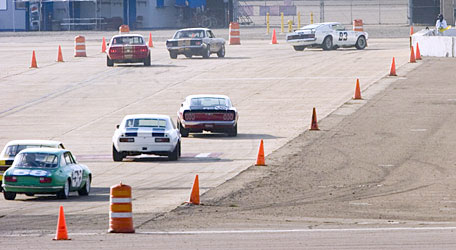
(436, 45)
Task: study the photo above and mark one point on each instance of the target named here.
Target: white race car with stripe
(328, 36)
(146, 134)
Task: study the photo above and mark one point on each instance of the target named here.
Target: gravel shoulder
(390, 162)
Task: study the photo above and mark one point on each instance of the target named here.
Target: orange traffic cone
(357, 91)
(34, 65)
(260, 158)
(418, 54)
(314, 124)
(411, 30)
(274, 37)
(59, 56)
(195, 196)
(151, 44)
(61, 233)
(393, 68)
(412, 55)
(103, 46)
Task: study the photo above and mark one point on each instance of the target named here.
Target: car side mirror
(117, 126)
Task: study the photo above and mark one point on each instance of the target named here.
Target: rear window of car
(13, 150)
(36, 160)
(208, 102)
(145, 122)
(189, 34)
(128, 40)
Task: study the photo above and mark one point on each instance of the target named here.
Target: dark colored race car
(195, 41)
(213, 113)
(127, 48)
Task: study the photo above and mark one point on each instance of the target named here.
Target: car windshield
(36, 160)
(189, 34)
(145, 122)
(13, 150)
(208, 103)
(127, 40)
(311, 26)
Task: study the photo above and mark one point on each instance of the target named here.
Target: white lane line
(202, 155)
(254, 231)
(275, 78)
(418, 130)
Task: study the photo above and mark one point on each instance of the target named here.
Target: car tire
(9, 195)
(116, 156)
(188, 56)
(233, 131)
(207, 52)
(85, 190)
(65, 192)
(147, 61)
(299, 48)
(184, 132)
(174, 155)
(173, 55)
(361, 43)
(327, 43)
(221, 52)
(30, 194)
(109, 62)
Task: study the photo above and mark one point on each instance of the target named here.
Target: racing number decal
(30, 172)
(76, 176)
(343, 36)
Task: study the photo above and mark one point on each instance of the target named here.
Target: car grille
(300, 36)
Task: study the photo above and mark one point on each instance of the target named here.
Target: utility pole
(322, 11)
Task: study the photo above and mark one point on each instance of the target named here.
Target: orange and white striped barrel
(121, 210)
(124, 29)
(235, 34)
(79, 47)
(358, 25)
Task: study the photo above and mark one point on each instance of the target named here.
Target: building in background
(56, 15)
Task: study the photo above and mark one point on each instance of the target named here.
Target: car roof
(126, 35)
(152, 116)
(34, 142)
(193, 29)
(207, 95)
(43, 150)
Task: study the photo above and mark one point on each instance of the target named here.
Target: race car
(195, 41)
(12, 148)
(127, 48)
(46, 171)
(328, 36)
(146, 134)
(213, 113)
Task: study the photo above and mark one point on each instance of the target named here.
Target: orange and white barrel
(235, 34)
(79, 47)
(121, 210)
(358, 25)
(124, 29)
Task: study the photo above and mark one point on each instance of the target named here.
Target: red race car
(128, 48)
(213, 113)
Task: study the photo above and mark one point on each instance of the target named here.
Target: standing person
(441, 24)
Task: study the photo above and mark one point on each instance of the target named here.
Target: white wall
(438, 46)
(10, 21)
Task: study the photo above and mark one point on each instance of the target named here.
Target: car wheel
(30, 194)
(116, 156)
(361, 42)
(9, 195)
(173, 156)
(299, 48)
(184, 132)
(85, 190)
(233, 131)
(188, 55)
(173, 55)
(147, 61)
(65, 192)
(327, 43)
(221, 52)
(207, 52)
(109, 62)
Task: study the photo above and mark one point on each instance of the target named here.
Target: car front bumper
(303, 42)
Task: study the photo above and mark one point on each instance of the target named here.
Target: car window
(124, 40)
(208, 102)
(338, 27)
(68, 158)
(189, 34)
(62, 160)
(145, 122)
(36, 160)
(13, 150)
(210, 34)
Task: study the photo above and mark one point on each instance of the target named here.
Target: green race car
(46, 171)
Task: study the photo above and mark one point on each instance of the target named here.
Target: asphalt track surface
(79, 102)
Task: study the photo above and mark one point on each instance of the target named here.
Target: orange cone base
(121, 225)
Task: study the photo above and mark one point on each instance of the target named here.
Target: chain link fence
(253, 12)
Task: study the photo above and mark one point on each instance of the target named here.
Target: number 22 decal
(343, 36)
